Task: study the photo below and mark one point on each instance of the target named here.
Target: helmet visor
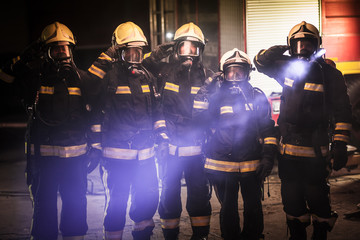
(59, 51)
(188, 48)
(304, 46)
(132, 55)
(236, 73)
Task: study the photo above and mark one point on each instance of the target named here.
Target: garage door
(268, 23)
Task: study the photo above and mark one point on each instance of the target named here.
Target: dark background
(21, 23)
(92, 23)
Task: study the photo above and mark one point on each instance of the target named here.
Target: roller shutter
(268, 23)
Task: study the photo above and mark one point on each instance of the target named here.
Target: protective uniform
(53, 92)
(242, 148)
(180, 80)
(314, 98)
(127, 139)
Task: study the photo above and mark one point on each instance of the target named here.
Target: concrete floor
(16, 209)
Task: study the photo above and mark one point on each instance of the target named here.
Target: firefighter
(314, 104)
(52, 90)
(242, 149)
(127, 138)
(181, 155)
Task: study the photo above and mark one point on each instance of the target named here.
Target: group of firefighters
(130, 110)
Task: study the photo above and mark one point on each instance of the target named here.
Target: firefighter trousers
(122, 178)
(198, 195)
(226, 188)
(304, 188)
(69, 177)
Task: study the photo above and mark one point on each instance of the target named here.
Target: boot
(297, 229)
(143, 234)
(115, 235)
(74, 238)
(198, 238)
(320, 230)
(200, 233)
(171, 234)
(261, 237)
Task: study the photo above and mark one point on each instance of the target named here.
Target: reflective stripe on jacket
(184, 151)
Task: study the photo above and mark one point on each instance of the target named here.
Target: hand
(215, 78)
(340, 155)
(162, 151)
(217, 75)
(162, 51)
(277, 50)
(93, 159)
(264, 168)
(111, 52)
(32, 51)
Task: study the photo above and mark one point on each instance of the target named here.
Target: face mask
(188, 49)
(236, 73)
(59, 52)
(303, 47)
(132, 55)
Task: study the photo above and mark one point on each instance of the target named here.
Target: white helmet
(236, 65)
(234, 56)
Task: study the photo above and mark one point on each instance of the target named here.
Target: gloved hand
(162, 51)
(111, 52)
(276, 51)
(32, 52)
(209, 86)
(264, 168)
(162, 150)
(93, 158)
(265, 59)
(339, 152)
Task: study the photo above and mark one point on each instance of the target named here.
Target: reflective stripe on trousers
(301, 151)
(60, 151)
(226, 166)
(128, 154)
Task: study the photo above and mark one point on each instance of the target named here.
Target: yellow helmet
(129, 33)
(304, 30)
(190, 31)
(57, 32)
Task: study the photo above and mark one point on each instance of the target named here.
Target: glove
(162, 51)
(162, 151)
(93, 156)
(209, 86)
(264, 168)
(339, 152)
(111, 52)
(264, 60)
(32, 52)
(276, 51)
